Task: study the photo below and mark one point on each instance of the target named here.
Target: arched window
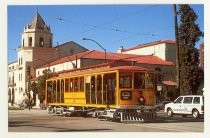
(41, 42)
(30, 41)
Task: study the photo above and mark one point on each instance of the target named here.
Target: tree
(189, 34)
(41, 83)
(33, 87)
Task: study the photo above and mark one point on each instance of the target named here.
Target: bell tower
(35, 50)
(36, 33)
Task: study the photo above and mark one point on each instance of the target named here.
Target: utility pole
(177, 50)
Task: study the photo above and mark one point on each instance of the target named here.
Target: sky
(111, 26)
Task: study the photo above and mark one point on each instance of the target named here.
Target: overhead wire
(111, 21)
(101, 27)
(158, 30)
(134, 34)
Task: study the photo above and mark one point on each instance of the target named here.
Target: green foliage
(41, 83)
(189, 34)
(33, 87)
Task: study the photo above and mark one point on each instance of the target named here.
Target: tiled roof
(152, 44)
(94, 54)
(70, 43)
(38, 22)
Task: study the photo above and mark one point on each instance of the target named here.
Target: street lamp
(97, 44)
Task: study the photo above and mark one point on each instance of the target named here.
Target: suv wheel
(195, 113)
(170, 112)
(157, 109)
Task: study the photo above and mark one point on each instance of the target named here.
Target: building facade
(36, 49)
(164, 49)
(94, 57)
(37, 53)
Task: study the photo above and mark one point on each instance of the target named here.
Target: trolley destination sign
(126, 95)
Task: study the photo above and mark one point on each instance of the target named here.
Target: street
(37, 120)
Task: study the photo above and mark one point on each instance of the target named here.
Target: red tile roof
(152, 44)
(94, 54)
(145, 59)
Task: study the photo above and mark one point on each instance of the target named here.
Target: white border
(3, 67)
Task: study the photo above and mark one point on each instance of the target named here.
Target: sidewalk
(27, 111)
(15, 107)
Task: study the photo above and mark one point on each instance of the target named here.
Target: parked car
(23, 104)
(161, 105)
(186, 105)
(42, 106)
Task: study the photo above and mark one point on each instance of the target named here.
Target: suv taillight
(202, 108)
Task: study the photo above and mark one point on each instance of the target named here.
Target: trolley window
(54, 92)
(67, 85)
(58, 91)
(139, 80)
(125, 80)
(62, 91)
(71, 85)
(150, 80)
(92, 83)
(99, 83)
(76, 84)
(81, 84)
(49, 91)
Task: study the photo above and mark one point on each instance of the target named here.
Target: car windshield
(178, 100)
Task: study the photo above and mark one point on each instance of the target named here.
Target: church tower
(36, 49)
(37, 33)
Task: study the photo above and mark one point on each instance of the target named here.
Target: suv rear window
(187, 100)
(196, 100)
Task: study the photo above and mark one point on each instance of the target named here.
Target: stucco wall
(157, 50)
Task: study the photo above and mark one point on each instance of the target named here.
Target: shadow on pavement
(84, 130)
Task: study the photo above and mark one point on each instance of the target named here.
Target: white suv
(186, 105)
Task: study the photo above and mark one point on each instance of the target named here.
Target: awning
(169, 83)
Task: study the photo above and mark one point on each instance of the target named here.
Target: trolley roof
(106, 67)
